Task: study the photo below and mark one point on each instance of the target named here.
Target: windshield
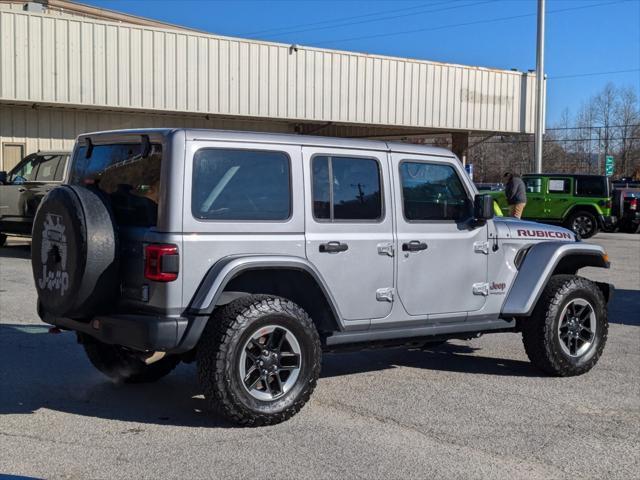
(131, 181)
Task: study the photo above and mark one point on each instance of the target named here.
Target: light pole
(539, 127)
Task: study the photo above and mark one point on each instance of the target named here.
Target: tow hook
(54, 330)
(154, 357)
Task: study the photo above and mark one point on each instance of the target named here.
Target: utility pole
(539, 127)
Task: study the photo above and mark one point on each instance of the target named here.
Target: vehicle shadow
(41, 370)
(447, 357)
(16, 250)
(625, 307)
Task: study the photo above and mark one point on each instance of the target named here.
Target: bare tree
(627, 118)
(606, 124)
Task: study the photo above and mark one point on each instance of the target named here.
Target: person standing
(516, 194)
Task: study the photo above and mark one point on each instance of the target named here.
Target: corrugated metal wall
(81, 62)
(57, 128)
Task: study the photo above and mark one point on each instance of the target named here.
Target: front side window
(346, 188)
(533, 184)
(433, 192)
(241, 185)
(131, 181)
(25, 171)
(559, 185)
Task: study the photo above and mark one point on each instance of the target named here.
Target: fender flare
(219, 275)
(538, 266)
(223, 271)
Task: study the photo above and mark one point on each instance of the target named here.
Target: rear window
(591, 186)
(241, 185)
(131, 181)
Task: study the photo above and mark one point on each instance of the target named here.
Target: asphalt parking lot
(472, 409)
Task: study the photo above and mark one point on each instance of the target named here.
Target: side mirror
(3, 178)
(483, 208)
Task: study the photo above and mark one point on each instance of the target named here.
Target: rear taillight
(161, 262)
(633, 204)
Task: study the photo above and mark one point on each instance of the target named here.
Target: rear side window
(62, 166)
(131, 181)
(241, 185)
(591, 186)
(559, 185)
(48, 167)
(433, 192)
(346, 188)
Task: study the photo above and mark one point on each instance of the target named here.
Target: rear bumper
(138, 332)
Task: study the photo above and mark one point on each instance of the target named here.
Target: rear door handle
(414, 246)
(22, 190)
(333, 247)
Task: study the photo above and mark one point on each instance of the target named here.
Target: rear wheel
(567, 331)
(583, 223)
(122, 365)
(259, 360)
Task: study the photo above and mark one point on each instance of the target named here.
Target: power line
(388, 17)
(344, 19)
(593, 74)
(465, 24)
(589, 127)
(555, 140)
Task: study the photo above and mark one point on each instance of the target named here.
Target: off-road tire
(539, 332)
(3, 239)
(219, 352)
(121, 365)
(583, 213)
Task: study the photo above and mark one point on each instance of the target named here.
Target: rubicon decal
(543, 234)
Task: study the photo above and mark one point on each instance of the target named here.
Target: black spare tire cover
(74, 252)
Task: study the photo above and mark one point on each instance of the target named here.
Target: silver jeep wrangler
(252, 253)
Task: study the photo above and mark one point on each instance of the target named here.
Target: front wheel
(567, 331)
(583, 223)
(259, 360)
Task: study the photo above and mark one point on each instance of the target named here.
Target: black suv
(22, 189)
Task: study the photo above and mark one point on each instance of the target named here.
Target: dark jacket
(515, 191)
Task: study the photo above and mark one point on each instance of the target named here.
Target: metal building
(67, 68)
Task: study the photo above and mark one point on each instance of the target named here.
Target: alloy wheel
(270, 362)
(582, 225)
(577, 327)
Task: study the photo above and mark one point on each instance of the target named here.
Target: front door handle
(333, 247)
(414, 246)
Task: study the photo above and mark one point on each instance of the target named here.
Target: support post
(460, 145)
(539, 127)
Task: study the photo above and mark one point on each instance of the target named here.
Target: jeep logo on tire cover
(54, 244)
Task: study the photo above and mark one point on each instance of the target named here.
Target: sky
(583, 37)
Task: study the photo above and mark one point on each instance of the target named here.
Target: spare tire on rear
(74, 252)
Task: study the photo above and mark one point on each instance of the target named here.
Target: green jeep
(581, 203)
